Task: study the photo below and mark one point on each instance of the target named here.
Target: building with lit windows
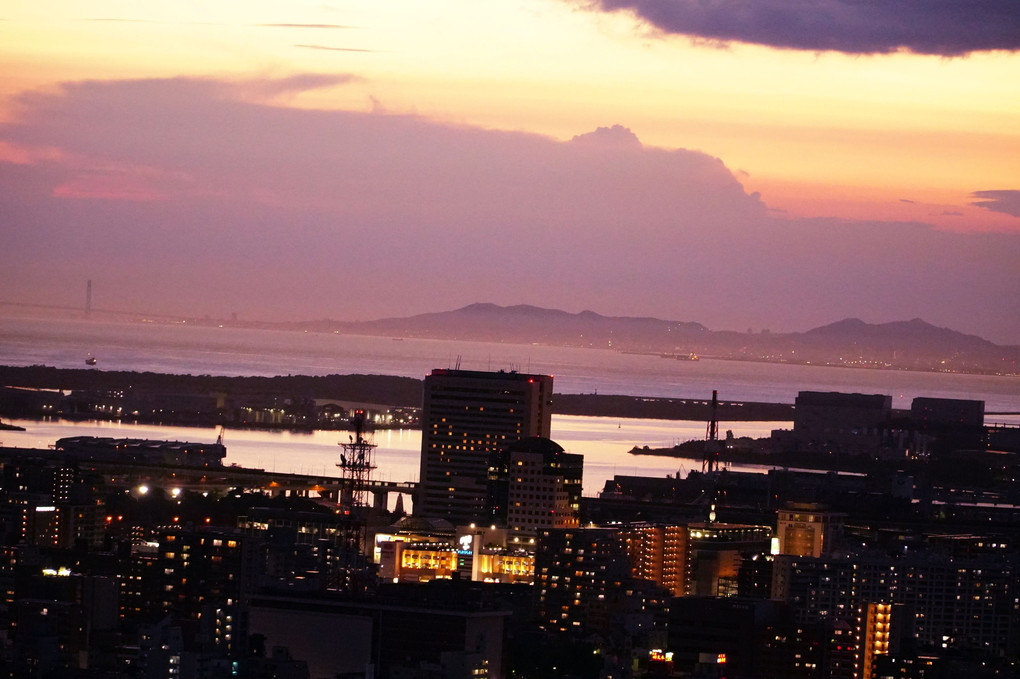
(466, 416)
(808, 529)
(938, 603)
(694, 559)
(204, 576)
(61, 526)
(874, 623)
(421, 550)
(534, 485)
(658, 553)
(137, 582)
(714, 555)
(577, 574)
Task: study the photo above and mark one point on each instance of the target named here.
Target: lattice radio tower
(356, 465)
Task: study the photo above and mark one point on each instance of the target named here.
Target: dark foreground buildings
(904, 570)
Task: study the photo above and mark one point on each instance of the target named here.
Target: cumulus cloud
(184, 196)
(616, 136)
(936, 27)
(1007, 202)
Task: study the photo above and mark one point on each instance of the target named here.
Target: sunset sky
(773, 164)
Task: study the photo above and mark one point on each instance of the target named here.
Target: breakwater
(596, 405)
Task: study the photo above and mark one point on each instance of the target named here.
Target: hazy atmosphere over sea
(781, 168)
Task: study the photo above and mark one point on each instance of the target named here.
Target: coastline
(757, 454)
(772, 355)
(38, 391)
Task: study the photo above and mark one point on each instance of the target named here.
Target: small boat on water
(91, 360)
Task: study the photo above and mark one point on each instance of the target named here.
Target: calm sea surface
(195, 350)
(603, 442)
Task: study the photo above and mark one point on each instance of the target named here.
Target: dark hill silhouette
(915, 331)
(913, 344)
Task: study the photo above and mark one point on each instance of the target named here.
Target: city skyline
(632, 158)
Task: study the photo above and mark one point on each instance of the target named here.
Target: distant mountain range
(913, 345)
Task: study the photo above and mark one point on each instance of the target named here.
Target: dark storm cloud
(937, 27)
(184, 196)
(1007, 202)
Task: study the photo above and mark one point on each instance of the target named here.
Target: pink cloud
(192, 197)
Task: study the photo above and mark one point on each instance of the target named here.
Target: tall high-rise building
(204, 576)
(658, 553)
(466, 415)
(578, 573)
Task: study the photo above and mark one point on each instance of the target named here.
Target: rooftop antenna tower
(710, 459)
(356, 465)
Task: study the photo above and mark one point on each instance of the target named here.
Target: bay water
(605, 442)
